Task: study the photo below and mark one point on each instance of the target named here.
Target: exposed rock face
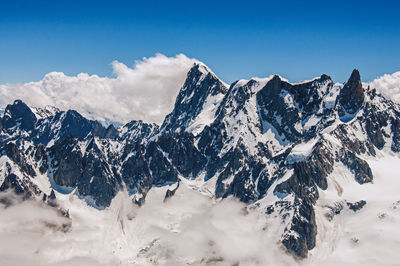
(287, 107)
(356, 206)
(18, 114)
(351, 97)
(11, 151)
(135, 171)
(170, 192)
(163, 171)
(86, 168)
(67, 162)
(258, 139)
(200, 85)
(301, 236)
(41, 158)
(363, 173)
(24, 188)
(183, 154)
(136, 131)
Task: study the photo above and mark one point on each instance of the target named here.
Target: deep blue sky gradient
(237, 39)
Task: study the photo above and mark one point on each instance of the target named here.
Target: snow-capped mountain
(278, 147)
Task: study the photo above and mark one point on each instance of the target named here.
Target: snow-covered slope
(197, 101)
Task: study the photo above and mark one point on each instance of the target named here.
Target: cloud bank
(388, 85)
(188, 229)
(146, 91)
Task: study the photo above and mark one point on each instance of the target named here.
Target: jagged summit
(351, 96)
(355, 76)
(198, 97)
(203, 69)
(47, 111)
(18, 114)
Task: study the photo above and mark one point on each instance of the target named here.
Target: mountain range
(278, 147)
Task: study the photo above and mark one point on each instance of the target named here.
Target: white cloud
(388, 85)
(188, 229)
(194, 229)
(146, 91)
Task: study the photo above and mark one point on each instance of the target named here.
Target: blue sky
(237, 39)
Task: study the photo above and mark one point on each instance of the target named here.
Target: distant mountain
(270, 143)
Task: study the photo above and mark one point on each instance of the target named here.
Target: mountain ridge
(257, 139)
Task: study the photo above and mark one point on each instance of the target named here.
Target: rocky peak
(274, 86)
(111, 132)
(196, 71)
(288, 108)
(201, 86)
(20, 114)
(74, 123)
(309, 95)
(354, 77)
(137, 130)
(351, 96)
(45, 112)
(325, 77)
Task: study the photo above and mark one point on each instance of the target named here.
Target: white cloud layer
(147, 91)
(388, 85)
(188, 229)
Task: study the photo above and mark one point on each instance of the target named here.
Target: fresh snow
(366, 237)
(207, 114)
(301, 151)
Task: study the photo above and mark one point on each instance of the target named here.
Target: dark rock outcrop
(170, 192)
(356, 206)
(200, 83)
(21, 187)
(20, 115)
(351, 97)
(11, 150)
(87, 171)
